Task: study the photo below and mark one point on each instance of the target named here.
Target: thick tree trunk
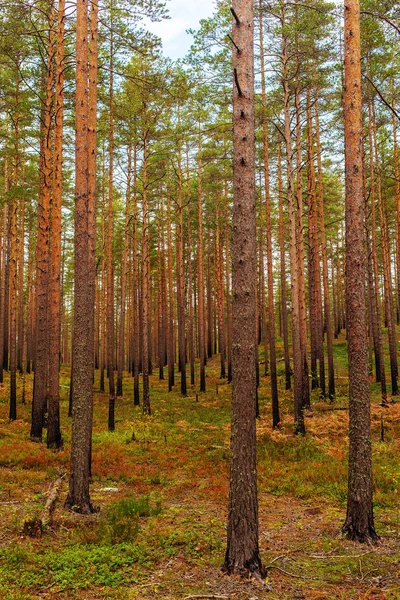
(78, 498)
(242, 553)
(359, 524)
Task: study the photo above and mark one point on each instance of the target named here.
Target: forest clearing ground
(160, 532)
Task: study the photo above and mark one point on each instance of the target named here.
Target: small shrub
(121, 522)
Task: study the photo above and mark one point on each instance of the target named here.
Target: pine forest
(199, 299)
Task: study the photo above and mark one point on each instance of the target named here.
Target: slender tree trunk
(300, 251)
(122, 317)
(13, 276)
(397, 201)
(190, 287)
(21, 320)
(109, 252)
(181, 283)
(386, 262)
(285, 325)
(298, 366)
(228, 299)
(145, 287)
(4, 268)
(54, 439)
(219, 263)
(171, 337)
(325, 275)
(135, 308)
(209, 301)
(39, 403)
(373, 307)
(200, 272)
(316, 327)
(268, 229)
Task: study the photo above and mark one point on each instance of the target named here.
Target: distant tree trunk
(298, 366)
(190, 289)
(242, 554)
(285, 325)
(268, 228)
(21, 320)
(54, 439)
(171, 337)
(372, 302)
(219, 271)
(264, 320)
(121, 341)
(359, 523)
(180, 278)
(386, 263)
(103, 315)
(109, 252)
(4, 268)
(145, 286)
(78, 497)
(325, 275)
(316, 322)
(160, 314)
(135, 307)
(13, 279)
(39, 403)
(228, 299)
(397, 202)
(300, 251)
(209, 301)
(200, 273)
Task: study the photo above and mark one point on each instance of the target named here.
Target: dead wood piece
(34, 527)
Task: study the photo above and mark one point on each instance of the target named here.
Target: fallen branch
(271, 566)
(35, 527)
(207, 596)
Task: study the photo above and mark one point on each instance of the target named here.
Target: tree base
(365, 535)
(86, 508)
(252, 568)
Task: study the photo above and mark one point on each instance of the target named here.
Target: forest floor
(160, 532)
